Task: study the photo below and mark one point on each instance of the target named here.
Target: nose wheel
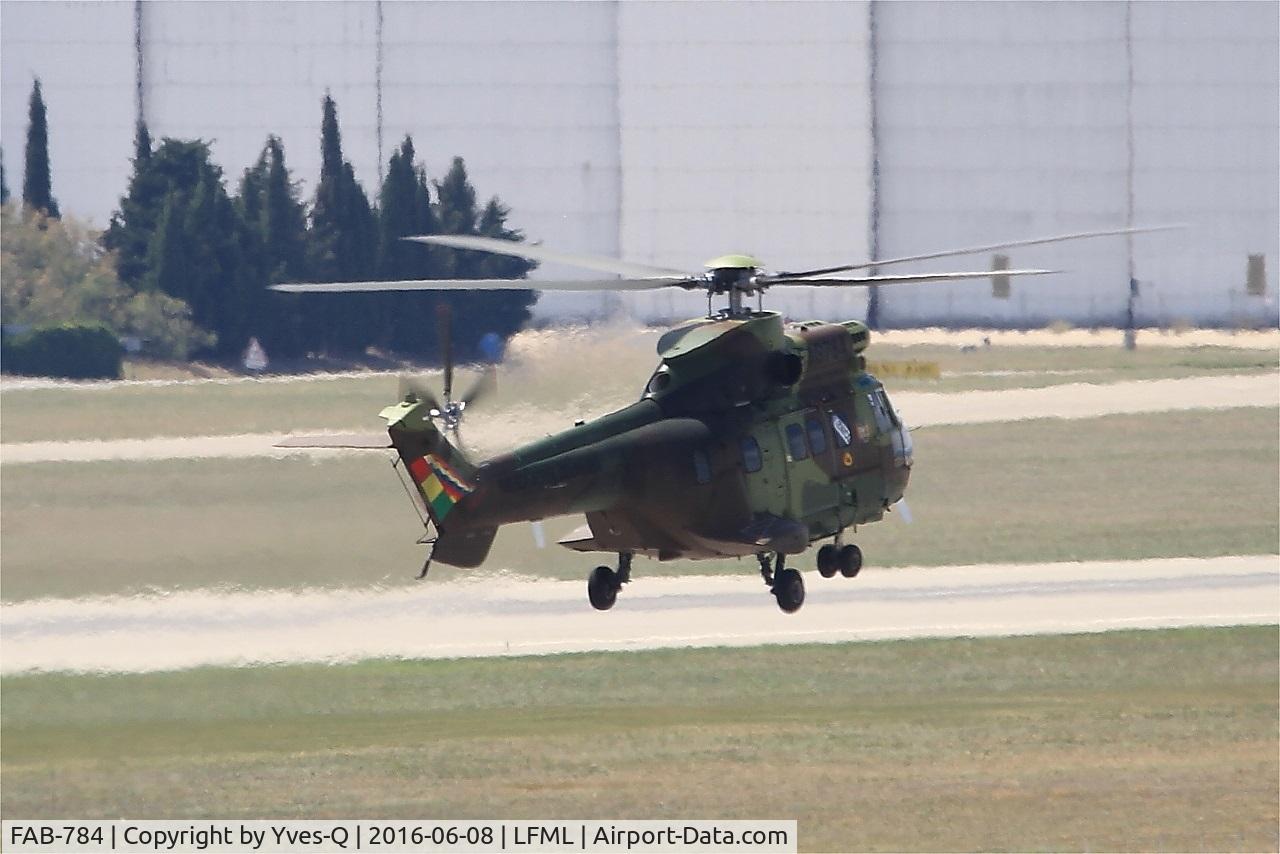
(604, 583)
(786, 584)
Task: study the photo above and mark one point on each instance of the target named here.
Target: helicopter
(753, 437)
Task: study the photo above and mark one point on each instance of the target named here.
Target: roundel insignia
(847, 459)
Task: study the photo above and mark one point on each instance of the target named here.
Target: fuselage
(749, 436)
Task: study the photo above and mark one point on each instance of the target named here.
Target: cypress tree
(406, 320)
(342, 245)
(479, 313)
(275, 246)
(166, 251)
(457, 201)
(37, 191)
(194, 241)
(175, 165)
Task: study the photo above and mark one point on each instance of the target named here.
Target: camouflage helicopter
(753, 437)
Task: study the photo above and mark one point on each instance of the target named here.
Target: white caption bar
(466, 837)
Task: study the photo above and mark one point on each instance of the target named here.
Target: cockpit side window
(840, 430)
(751, 459)
(887, 407)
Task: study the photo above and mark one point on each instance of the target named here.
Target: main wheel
(602, 588)
(828, 561)
(788, 589)
(850, 561)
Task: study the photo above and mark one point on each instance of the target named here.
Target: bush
(72, 351)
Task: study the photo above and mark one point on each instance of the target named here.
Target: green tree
(275, 245)
(342, 244)
(178, 233)
(479, 313)
(406, 321)
(37, 188)
(176, 165)
(55, 272)
(4, 185)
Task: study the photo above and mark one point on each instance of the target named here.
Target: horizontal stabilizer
(580, 539)
(351, 441)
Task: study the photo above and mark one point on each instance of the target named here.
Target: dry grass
(558, 375)
(1125, 741)
(1180, 484)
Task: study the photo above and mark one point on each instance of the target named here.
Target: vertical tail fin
(443, 475)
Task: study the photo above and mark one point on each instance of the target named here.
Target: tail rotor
(445, 409)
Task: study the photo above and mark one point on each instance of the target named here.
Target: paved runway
(492, 616)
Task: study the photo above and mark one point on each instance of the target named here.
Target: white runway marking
(501, 616)
(506, 429)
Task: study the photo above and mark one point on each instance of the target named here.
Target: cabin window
(751, 459)
(840, 430)
(883, 424)
(795, 442)
(701, 467)
(887, 407)
(817, 438)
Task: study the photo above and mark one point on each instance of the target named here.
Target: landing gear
(786, 584)
(834, 557)
(849, 560)
(604, 583)
(828, 560)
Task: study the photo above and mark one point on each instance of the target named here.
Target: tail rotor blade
(418, 389)
(443, 318)
(539, 534)
(482, 387)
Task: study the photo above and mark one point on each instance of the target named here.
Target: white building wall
(1005, 120)
(745, 128)
(1000, 121)
(525, 92)
(83, 55)
(1206, 116)
(670, 132)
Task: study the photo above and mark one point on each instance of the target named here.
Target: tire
(788, 589)
(850, 561)
(602, 588)
(828, 561)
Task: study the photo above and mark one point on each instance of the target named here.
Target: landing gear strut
(786, 584)
(604, 583)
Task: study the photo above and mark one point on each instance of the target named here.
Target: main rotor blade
(644, 284)
(902, 280)
(601, 263)
(947, 253)
(443, 316)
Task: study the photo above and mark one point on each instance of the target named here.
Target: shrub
(72, 351)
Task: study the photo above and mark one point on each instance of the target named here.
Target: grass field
(1124, 741)
(576, 377)
(1170, 485)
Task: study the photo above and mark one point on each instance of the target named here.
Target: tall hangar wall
(804, 133)
(745, 130)
(525, 92)
(999, 120)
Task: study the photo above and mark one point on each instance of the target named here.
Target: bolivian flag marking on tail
(440, 485)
